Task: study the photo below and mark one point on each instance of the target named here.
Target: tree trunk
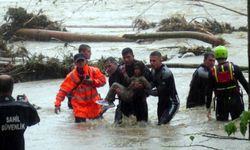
(179, 65)
(46, 35)
(97, 26)
(178, 34)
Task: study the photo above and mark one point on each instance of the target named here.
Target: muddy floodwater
(59, 132)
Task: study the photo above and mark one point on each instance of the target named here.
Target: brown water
(60, 131)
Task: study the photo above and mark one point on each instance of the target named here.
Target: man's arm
(209, 92)
(98, 79)
(66, 87)
(241, 78)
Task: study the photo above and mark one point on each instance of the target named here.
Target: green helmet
(220, 52)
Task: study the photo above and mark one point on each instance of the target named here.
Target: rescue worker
(115, 75)
(163, 80)
(138, 105)
(82, 81)
(126, 93)
(86, 51)
(15, 117)
(198, 84)
(223, 80)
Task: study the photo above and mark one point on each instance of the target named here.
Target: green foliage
(230, 128)
(191, 138)
(243, 128)
(244, 119)
(17, 18)
(38, 67)
(100, 64)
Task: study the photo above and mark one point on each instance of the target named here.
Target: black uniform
(117, 76)
(15, 116)
(227, 90)
(198, 87)
(168, 103)
(138, 105)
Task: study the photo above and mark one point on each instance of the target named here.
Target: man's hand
(87, 81)
(118, 90)
(123, 69)
(57, 109)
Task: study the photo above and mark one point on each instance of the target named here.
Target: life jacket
(224, 77)
(83, 96)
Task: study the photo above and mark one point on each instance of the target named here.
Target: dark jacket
(198, 87)
(117, 76)
(168, 103)
(138, 105)
(15, 116)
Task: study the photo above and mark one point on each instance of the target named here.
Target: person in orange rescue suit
(82, 81)
(86, 51)
(223, 80)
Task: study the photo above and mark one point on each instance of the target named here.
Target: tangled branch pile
(199, 50)
(17, 18)
(179, 23)
(38, 67)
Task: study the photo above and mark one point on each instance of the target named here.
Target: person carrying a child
(136, 82)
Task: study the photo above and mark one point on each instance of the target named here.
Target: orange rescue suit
(84, 96)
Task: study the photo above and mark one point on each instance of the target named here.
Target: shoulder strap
(231, 69)
(214, 71)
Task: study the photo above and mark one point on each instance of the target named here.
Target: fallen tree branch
(195, 145)
(220, 6)
(178, 65)
(33, 17)
(211, 135)
(46, 35)
(98, 26)
(178, 34)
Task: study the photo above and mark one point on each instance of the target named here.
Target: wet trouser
(166, 112)
(138, 107)
(79, 119)
(125, 94)
(118, 114)
(229, 104)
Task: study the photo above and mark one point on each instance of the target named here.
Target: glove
(57, 109)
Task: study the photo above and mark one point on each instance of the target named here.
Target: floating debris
(142, 24)
(199, 50)
(17, 18)
(179, 23)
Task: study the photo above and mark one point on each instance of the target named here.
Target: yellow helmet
(220, 52)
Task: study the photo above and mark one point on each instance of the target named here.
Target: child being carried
(136, 82)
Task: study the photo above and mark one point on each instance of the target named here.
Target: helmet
(220, 52)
